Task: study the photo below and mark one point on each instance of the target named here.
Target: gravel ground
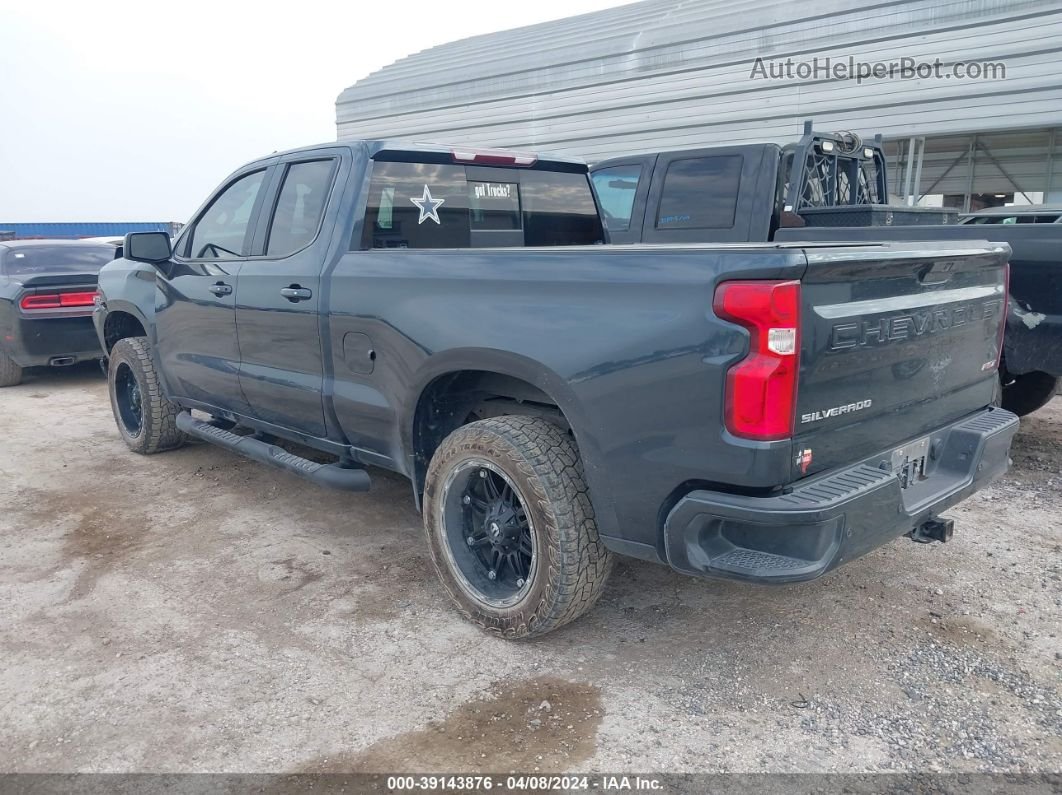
(194, 611)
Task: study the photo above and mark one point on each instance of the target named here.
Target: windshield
(33, 260)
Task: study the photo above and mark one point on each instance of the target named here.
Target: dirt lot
(195, 611)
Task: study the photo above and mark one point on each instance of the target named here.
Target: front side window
(222, 231)
(300, 206)
(700, 193)
(616, 189)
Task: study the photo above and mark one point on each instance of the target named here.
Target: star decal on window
(429, 207)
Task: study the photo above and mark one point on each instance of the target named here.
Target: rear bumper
(34, 342)
(837, 516)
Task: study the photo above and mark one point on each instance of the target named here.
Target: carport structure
(1018, 162)
(674, 74)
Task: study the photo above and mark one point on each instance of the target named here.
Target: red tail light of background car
(57, 301)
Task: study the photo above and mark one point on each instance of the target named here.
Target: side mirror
(154, 248)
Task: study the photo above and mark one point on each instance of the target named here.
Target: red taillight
(77, 299)
(57, 301)
(494, 157)
(761, 388)
(40, 302)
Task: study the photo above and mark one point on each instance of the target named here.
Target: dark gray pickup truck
(451, 315)
(830, 187)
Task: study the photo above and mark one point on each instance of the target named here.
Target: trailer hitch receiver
(934, 529)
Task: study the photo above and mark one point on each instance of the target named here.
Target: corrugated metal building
(667, 74)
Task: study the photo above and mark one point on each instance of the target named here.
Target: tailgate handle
(937, 273)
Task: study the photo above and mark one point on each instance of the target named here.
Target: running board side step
(333, 476)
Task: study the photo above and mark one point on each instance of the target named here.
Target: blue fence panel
(76, 229)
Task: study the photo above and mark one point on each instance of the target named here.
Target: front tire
(145, 419)
(1023, 394)
(10, 373)
(510, 526)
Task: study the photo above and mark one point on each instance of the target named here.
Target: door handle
(220, 289)
(296, 293)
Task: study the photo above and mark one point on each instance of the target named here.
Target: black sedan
(47, 291)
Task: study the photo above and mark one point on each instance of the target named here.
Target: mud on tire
(145, 419)
(541, 464)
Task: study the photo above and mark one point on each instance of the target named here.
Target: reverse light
(781, 341)
(57, 301)
(494, 157)
(760, 400)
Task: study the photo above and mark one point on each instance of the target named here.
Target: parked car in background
(832, 187)
(47, 290)
(1023, 214)
(450, 316)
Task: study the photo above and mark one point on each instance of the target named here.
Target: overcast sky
(135, 111)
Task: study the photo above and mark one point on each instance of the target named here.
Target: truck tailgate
(896, 340)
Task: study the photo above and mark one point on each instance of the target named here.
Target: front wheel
(510, 526)
(145, 419)
(1023, 394)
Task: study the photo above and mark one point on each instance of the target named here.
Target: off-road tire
(1028, 392)
(572, 565)
(158, 431)
(10, 373)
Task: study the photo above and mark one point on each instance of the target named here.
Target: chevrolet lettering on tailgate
(895, 328)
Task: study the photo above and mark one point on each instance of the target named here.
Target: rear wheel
(145, 419)
(1023, 394)
(10, 373)
(510, 526)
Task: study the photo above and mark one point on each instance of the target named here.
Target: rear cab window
(443, 205)
(700, 193)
